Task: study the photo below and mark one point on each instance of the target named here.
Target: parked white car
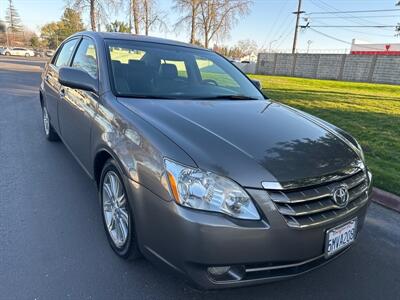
(17, 52)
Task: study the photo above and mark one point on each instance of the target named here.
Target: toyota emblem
(341, 195)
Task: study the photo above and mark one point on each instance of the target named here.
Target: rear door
(51, 84)
(77, 107)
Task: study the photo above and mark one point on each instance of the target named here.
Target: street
(53, 244)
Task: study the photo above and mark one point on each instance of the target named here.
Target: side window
(211, 72)
(85, 57)
(65, 53)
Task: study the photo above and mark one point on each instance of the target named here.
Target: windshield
(150, 70)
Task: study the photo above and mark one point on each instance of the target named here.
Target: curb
(386, 199)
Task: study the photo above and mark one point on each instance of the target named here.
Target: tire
(50, 133)
(126, 247)
(27, 55)
(7, 54)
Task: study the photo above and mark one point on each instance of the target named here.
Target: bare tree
(190, 12)
(97, 9)
(135, 15)
(217, 17)
(247, 47)
(152, 16)
(145, 15)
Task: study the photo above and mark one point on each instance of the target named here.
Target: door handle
(62, 93)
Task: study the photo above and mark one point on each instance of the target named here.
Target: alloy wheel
(46, 121)
(115, 209)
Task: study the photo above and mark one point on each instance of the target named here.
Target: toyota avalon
(196, 169)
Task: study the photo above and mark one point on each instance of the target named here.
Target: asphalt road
(52, 244)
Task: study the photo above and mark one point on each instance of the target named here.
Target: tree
(2, 26)
(97, 9)
(117, 26)
(134, 12)
(70, 23)
(247, 47)
(34, 41)
(12, 18)
(145, 15)
(190, 11)
(217, 17)
(55, 32)
(50, 33)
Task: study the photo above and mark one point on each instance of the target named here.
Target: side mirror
(257, 83)
(77, 79)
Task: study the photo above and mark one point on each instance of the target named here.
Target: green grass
(370, 112)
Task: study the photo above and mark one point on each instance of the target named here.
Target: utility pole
(297, 13)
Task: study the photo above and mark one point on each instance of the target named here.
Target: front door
(77, 107)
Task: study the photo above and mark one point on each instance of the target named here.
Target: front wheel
(7, 54)
(117, 214)
(27, 55)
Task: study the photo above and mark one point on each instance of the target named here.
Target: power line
(273, 27)
(350, 11)
(349, 26)
(342, 41)
(369, 33)
(356, 17)
(351, 17)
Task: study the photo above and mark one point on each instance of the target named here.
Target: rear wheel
(7, 54)
(117, 214)
(49, 131)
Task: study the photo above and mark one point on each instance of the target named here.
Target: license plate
(340, 237)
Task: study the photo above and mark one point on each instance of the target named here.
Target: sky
(270, 22)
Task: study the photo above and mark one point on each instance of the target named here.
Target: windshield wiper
(146, 96)
(229, 97)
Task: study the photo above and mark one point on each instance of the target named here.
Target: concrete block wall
(358, 67)
(284, 64)
(365, 68)
(329, 66)
(387, 69)
(265, 62)
(306, 65)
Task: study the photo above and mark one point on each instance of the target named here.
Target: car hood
(249, 141)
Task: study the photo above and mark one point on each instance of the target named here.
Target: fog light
(226, 273)
(218, 271)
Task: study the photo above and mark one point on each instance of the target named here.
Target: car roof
(135, 37)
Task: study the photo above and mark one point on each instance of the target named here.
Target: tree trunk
(206, 39)
(146, 17)
(92, 15)
(135, 13)
(193, 24)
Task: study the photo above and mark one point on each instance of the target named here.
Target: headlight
(203, 190)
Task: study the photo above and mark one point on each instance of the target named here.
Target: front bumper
(190, 241)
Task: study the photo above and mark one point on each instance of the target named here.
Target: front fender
(136, 145)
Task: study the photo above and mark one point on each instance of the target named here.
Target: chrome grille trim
(314, 206)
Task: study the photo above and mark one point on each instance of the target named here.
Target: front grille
(314, 206)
